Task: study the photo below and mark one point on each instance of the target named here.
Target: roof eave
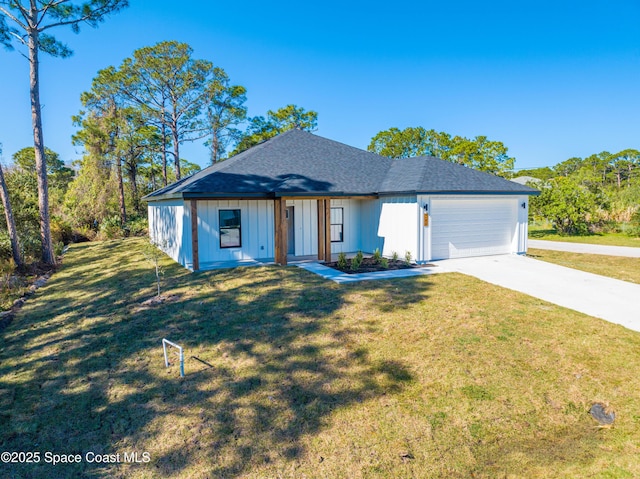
(459, 192)
(315, 194)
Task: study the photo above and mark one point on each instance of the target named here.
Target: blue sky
(551, 80)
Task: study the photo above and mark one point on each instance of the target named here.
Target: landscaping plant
(342, 261)
(356, 261)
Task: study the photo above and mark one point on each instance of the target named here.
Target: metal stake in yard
(180, 353)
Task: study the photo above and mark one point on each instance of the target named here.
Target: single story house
(301, 195)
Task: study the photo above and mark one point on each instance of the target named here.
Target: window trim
(239, 228)
(341, 240)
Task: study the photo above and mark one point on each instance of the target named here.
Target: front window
(337, 225)
(230, 232)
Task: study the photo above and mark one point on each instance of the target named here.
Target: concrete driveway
(606, 298)
(628, 251)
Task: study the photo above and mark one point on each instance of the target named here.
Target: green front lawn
(609, 239)
(619, 267)
(438, 376)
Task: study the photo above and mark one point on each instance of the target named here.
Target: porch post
(327, 229)
(193, 208)
(321, 230)
(281, 233)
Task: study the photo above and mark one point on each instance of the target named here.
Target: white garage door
(472, 227)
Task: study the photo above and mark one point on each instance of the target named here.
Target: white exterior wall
(170, 229)
(369, 225)
(305, 223)
(351, 227)
(522, 229)
(257, 232)
(398, 226)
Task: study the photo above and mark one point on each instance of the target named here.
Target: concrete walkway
(606, 298)
(628, 251)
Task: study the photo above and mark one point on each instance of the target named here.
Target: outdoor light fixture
(524, 206)
(426, 208)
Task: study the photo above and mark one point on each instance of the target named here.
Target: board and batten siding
(305, 223)
(170, 229)
(256, 229)
(351, 227)
(398, 226)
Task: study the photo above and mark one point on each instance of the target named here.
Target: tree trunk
(152, 170)
(133, 179)
(38, 143)
(11, 224)
(215, 146)
(176, 150)
(164, 154)
(123, 207)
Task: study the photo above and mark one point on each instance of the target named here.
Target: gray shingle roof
(426, 174)
(301, 163)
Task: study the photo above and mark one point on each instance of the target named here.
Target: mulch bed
(369, 265)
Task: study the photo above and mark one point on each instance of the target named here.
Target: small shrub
(377, 256)
(153, 254)
(633, 227)
(384, 262)
(342, 261)
(7, 269)
(356, 261)
(31, 246)
(111, 228)
(58, 248)
(84, 233)
(394, 256)
(5, 246)
(137, 227)
(407, 258)
(61, 231)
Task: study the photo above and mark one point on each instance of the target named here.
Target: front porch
(283, 222)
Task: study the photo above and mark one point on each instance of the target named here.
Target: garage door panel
(472, 227)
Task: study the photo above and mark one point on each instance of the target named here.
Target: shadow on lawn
(84, 373)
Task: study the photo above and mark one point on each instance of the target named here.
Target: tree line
(134, 119)
(157, 99)
(600, 192)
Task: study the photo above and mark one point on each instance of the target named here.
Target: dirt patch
(371, 265)
(157, 300)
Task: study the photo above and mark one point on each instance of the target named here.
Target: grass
(435, 376)
(626, 269)
(608, 239)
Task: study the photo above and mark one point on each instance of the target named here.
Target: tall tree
(286, 118)
(29, 22)
(102, 122)
(170, 86)
(623, 165)
(479, 153)
(11, 224)
(565, 203)
(568, 167)
(225, 110)
(410, 142)
(136, 145)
